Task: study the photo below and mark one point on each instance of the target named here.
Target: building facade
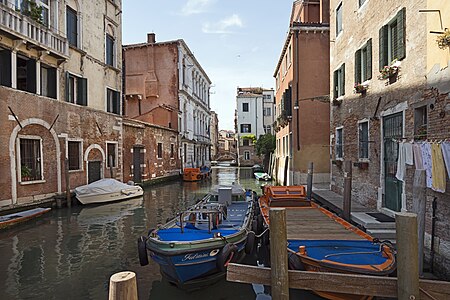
(254, 117)
(170, 89)
(389, 89)
(302, 88)
(227, 146)
(214, 133)
(60, 96)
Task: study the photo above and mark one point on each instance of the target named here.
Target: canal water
(71, 253)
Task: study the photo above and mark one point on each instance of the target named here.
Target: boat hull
(134, 191)
(13, 219)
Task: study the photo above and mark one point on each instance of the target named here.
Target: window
(109, 50)
(267, 129)
(246, 142)
(111, 155)
(363, 63)
(361, 2)
(339, 19)
(363, 140)
(112, 101)
(420, 123)
(5, 67)
(159, 151)
(26, 74)
(267, 111)
(30, 150)
(339, 82)
(48, 81)
(72, 26)
(246, 155)
(339, 143)
(267, 97)
(245, 107)
(74, 155)
(76, 89)
(392, 40)
(246, 128)
(45, 11)
(172, 150)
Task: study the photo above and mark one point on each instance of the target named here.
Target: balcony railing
(17, 24)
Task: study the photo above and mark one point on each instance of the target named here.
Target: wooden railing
(14, 22)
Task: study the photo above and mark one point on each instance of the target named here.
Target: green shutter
(343, 79)
(369, 60)
(335, 84)
(401, 30)
(67, 87)
(358, 66)
(82, 91)
(383, 36)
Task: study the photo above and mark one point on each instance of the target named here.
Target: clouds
(193, 7)
(224, 25)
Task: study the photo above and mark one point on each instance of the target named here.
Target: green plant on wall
(250, 137)
(443, 40)
(31, 9)
(25, 172)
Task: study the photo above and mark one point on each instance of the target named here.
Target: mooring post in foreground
(123, 286)
(278, 254)
(309, 181)
(347, 205)
(407, 256)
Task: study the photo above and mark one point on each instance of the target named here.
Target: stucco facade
(302, 86)
(410, 105)
(56, 74)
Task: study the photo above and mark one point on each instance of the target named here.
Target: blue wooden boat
(15, 218)
(195, 247)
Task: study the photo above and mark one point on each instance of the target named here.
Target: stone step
(369, 222)
(383, 234)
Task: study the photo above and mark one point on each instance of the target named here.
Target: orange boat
(320, 241)
(196, 174)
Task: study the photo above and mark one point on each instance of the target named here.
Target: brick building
(60, 96)
(302, 83)
(373, 112)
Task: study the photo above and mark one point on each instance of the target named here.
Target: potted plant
(360, 88)
(25, 173)
(390, 72)
(443, 40)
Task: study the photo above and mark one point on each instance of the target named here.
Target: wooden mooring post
(123, 286)
(309, 181)
(278, 254)
(347, 205)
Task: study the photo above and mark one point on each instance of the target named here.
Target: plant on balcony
(443, 40)
(389, 71)
(360, 88)
(25, 173)
(250, 137)
(32, 10)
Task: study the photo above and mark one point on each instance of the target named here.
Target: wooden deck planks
(312, 224)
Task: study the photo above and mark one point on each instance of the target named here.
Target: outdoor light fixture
(296, 105)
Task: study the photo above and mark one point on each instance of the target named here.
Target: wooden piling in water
(278, 254)
(347, 205)
(123, 286)
(407, 256)
(309, 180)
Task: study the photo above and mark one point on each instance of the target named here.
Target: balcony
(21, 27)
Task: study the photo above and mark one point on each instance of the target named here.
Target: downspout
(296, 88)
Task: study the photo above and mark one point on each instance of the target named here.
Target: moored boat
(262, 176)
(320, 241)
(15, 218)
(106, 190)
(194, 248)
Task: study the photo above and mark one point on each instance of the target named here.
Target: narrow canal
(71, 253)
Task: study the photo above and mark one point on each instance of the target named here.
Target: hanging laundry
(426, 160)
(445, 147)
(438, 169)
(408, 154)
(401, 166)
(418, 156)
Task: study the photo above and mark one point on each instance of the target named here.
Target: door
(392, 131)
(138, 161)
(94, 171)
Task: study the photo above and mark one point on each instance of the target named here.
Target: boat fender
(294, 262)
(260, 223)
(250, 242)
(225, 256)
(142, 251)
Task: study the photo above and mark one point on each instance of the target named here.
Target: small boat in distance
(15, 218)
(262, 176)
(194, 248)
(319, 241)
(106, 190)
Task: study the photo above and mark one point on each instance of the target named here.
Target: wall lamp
(296, 105)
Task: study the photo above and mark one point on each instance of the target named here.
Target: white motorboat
(106, 190)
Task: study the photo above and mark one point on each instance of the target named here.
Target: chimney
(150, 38)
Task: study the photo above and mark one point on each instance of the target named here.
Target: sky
(237, 42)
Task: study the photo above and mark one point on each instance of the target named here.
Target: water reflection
(71, 253)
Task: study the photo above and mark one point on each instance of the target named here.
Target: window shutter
(383, 36)
(31, 76)
(335, 84)
(343, 79)
(358, 66)
(5, 70)
(116, 102)
(369, 60)
(401, 29)
(82, 91)
(67, 87)
(51, 80)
